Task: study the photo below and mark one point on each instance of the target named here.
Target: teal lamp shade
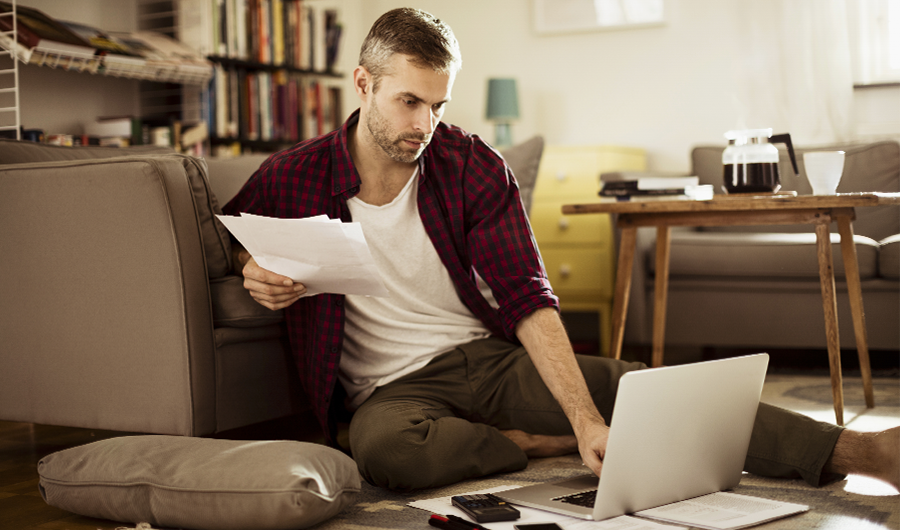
(502, 108)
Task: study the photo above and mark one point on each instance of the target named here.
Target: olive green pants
(442, 423)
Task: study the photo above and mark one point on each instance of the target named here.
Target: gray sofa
(758, 287)
(119, 309)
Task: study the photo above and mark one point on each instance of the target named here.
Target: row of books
(42, 40)
(291, 33)
(270, 106)
(124, 131)
(626, 186)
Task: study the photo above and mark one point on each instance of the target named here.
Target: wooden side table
(727, 210)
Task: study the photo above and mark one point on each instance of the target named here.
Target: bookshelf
(267, 107)
(257, 81)
(274, 81)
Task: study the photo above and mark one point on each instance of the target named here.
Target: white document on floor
(443, 506)
(723, 511)
(715, 511)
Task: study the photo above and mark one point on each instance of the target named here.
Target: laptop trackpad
(580, 483)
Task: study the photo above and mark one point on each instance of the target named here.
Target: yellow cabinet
(578, 250)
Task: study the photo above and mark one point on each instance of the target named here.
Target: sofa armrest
(106, 316)
(233, 306)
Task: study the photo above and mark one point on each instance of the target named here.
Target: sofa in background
(119, 309)
(758, 287)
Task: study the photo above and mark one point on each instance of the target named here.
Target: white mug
(824, 170)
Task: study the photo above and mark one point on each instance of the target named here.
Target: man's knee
(602, 375)
(395, 458)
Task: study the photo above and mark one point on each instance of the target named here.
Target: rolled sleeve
(501, 243)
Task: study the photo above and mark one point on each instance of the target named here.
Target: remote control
(485, 508)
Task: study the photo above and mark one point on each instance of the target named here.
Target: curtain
(792, 69)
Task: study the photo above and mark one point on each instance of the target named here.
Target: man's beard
(393, 147)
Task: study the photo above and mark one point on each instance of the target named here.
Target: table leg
(661, 292)
(829, 304)
(627, 244)
(854, 291)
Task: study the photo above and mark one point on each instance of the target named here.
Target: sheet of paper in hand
(326, 255)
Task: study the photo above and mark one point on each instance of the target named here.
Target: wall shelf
(232, 63)
(160, 64)
(116, 66)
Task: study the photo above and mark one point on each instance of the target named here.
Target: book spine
(241, 12)
(278, 32)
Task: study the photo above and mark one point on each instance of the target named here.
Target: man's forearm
(544, 337)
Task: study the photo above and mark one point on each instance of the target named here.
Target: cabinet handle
(563, 223)
(565, 270)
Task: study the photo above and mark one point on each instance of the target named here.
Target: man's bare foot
(871, 454)
(541, 445)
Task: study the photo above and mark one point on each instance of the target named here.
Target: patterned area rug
(851, 504)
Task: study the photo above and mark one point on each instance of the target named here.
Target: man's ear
(362, 82)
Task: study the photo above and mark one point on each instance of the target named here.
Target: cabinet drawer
(551, 226)
(573, 172)
(580, 271)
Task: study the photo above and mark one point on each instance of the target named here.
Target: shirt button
(339, 303)
(334, 350)
(337, 188)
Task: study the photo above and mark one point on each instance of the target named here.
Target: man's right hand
(268, 288)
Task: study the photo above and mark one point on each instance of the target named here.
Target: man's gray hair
(427, 41)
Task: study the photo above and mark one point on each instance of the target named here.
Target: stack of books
(624, 186)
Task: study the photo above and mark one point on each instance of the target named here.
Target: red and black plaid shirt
(469, 203)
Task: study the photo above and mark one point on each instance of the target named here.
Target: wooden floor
(22, 445)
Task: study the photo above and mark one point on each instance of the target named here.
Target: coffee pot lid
(744, 136)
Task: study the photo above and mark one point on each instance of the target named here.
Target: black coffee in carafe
(761, 177)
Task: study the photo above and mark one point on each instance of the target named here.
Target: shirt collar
(345, 178)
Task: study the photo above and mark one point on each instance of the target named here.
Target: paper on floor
(443, 506)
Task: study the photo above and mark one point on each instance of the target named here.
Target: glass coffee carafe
(750, 162)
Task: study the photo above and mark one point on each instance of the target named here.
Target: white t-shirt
(387, 338)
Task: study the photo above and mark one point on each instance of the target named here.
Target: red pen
(464, 523)
(442, 522)
(451, 522)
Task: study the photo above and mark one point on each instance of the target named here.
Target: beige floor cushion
(199, 483)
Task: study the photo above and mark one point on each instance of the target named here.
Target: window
(875, 37)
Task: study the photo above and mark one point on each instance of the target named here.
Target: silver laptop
(676, 432)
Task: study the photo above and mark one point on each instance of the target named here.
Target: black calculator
(485, 508)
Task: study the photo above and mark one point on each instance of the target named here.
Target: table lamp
(502, 108)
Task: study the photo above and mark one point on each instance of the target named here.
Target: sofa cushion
(889, 257)
(18, 152)
(216, 241)
(769, 255)
(228, 175)
(524, 160)
(199, 483)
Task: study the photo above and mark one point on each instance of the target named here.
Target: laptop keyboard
(584, 498)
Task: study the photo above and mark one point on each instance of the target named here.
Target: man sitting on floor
(466, 369)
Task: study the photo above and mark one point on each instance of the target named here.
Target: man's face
(402, 115)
